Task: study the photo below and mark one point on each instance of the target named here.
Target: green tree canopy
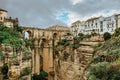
(106, 36)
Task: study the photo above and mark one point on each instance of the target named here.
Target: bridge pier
(43, 41)
(36, 58)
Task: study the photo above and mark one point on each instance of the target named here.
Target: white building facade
(75, 28)
(98, 25)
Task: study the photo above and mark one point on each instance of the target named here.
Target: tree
(106, 36)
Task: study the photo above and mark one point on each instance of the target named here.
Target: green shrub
(106, 36)
(104, 71)
(26, 71)
(81, 36)
(98, 71)
(43, 73)
(64, 42)
(36, 77)
(117, 32)
(5, 29)
(41, 76)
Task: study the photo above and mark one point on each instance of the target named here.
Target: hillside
(105, 64)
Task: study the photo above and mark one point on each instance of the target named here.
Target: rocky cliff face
(72, 64)
(17, 61)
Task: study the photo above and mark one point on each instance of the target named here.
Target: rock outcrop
(72, 64)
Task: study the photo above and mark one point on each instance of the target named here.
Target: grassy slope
(106, 62)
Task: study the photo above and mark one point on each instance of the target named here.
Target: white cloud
(72, 17)
(105, 13)
(76, 1)
(52, 13)
(69, 17)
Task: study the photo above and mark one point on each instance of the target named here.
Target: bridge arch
(44, 41)
(55, 35)
(27, 34)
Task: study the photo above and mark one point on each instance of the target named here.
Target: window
(101, 30)
(101, 24)
(0, 18)
(112, 30)
(91, 24)
(112, 24)
(96, 24)
(88, 25)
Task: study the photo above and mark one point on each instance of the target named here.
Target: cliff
(72, 64)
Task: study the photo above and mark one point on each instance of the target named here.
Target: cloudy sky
(44, 13)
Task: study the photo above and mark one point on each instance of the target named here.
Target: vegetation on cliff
(11, 41)
(12, 37)
(105, 64)
(42, 76)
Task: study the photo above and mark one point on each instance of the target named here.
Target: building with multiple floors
(98, 25)
(3, 15)
(9, 22)
(74, 27)
(91, 25)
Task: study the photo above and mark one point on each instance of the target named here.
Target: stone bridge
(43, 41)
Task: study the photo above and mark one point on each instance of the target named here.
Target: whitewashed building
(117, 20)
(98, 25)
(92, 25)
(81, 28)
(108, 24)
(75, 28)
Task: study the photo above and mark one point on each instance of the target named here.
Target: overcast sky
(45, 13)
